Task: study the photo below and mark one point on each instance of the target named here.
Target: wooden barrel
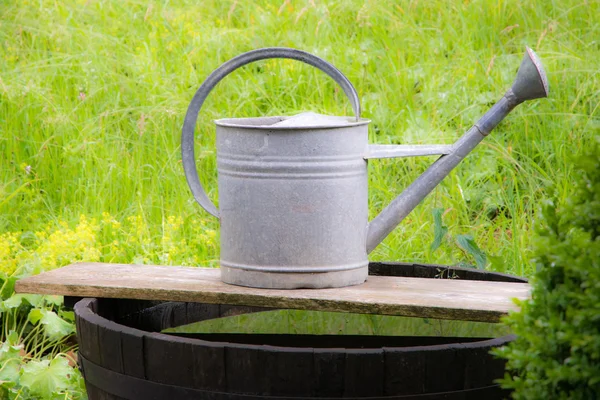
(123, 355)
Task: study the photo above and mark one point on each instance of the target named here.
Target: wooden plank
(415, 297)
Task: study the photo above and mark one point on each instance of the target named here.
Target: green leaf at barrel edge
(68, 316)
(467, 243)
(54, 326)
(439, 230)
(46, 377)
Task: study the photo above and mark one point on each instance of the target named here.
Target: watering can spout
(530, 83)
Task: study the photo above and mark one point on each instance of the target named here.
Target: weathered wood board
(415, 297)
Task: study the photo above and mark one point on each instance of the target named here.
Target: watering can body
(293, 203)
(293, 194)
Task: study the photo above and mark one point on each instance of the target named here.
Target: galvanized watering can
(293, 190)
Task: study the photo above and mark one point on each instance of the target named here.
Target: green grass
(92, 98)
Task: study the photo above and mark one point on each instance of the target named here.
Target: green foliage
(557, 352)
(35, 338)
(466, 243)
(45, 377)
(10, 361)
(54, 326)
(50, 378)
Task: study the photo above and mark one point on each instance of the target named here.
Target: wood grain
(414, 297)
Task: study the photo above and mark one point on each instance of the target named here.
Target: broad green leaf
(9, 349)
(467, 243)
(67, 315)
(13, 338)
(9, 371)
(439, 230)
(35, 315)
(16, 300)
(54, 326)
(14, 393)
(45, 377)
(54, 300)
(10, 361)
(8, 287)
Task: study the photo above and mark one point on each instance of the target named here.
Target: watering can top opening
(305, 120)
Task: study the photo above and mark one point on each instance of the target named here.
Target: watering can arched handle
(191, 116)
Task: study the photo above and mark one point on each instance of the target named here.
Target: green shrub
(557, 351)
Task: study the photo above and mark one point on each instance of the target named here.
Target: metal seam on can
(357, 162)
(244, 157)
(275, 175)
(294, 269)
(293, 168)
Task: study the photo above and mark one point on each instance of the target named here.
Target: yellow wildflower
(65, 246)
(9, 246)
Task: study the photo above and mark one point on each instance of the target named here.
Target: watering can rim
(246, 123)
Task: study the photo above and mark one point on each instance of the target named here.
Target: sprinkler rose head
(531, 81)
